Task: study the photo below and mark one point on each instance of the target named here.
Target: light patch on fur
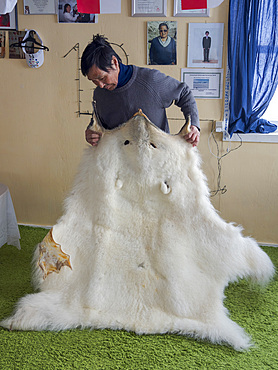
(148, 250)
(119, 184)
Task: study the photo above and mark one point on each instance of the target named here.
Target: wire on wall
(220, 189)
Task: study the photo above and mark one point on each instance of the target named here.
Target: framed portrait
(67, 13)
(205, 45)
(39, 7)
(178, 12)
(149, 8)
(9, 21)
(162, 43)
(204, 84)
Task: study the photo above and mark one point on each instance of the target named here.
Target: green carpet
(253, 308)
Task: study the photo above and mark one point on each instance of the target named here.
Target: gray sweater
(150, 90)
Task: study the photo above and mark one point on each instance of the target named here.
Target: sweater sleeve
(187, 103)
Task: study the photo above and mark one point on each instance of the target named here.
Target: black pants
(206, 55)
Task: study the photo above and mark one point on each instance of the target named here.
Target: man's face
(163, 32)
(105, 80)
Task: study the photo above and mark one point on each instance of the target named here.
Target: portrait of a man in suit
(206, 46)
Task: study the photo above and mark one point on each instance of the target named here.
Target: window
(271, 114)
(253, 65)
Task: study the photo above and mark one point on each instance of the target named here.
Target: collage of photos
(66, 11)
(203, 49)
(204, 73)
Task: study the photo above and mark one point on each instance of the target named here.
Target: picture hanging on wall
(15, 37)
(68, 13)
(178, 12)
(204, 84)
(162, 43)
(205, 45)
(39, 7)
(146, 8)
(9, 21)
(2, 43)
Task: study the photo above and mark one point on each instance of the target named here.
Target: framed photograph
(205, 45)
(9, 21)
(149, 8)
(67, 13)
(162, 43)
(39, 7)
(16, 52)
(2, 44)
(178, 12)
(204, 84)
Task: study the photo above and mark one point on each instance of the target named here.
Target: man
(163, 47)
(124, 89)
(206, 46)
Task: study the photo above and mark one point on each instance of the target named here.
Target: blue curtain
(253, 63)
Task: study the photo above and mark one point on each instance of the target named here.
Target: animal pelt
(148, 252)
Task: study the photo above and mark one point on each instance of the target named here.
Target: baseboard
(268, 245)
(41, 226)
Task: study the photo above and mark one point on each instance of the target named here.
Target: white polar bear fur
(148, 251)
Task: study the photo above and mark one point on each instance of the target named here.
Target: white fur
(148, 251)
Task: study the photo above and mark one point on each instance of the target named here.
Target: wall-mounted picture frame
(2, 44)
(9, 21)
(16, 52)
(162, 43)
(68, 13)
(178, 12)
(149, 8)
(204, 84)
(39, 7)
(205, 45)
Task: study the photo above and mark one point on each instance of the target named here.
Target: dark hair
(99, 53)
(65, 7)
(163, 24)
(207, 32)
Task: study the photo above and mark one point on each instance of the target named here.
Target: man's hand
(193, 136)
(92, 137)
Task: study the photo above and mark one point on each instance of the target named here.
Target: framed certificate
(39, 7)
(204, 84)
(149, 8)
(178, 12)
